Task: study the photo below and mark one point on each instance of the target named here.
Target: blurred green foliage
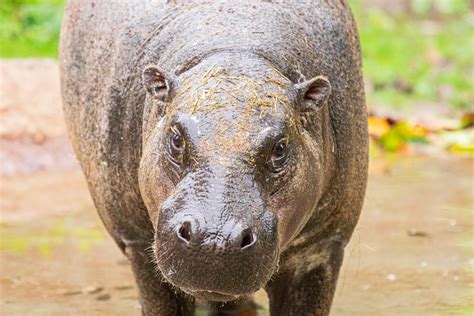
(30, 27)
(425, 54)
(422, 54)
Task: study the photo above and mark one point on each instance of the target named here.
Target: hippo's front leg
(296, 293)
(157, 297)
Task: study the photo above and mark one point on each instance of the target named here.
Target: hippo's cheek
(295, 203)
(155, 188)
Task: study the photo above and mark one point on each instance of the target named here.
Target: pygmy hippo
(224, 144)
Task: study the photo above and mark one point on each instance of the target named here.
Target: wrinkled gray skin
(176, 112)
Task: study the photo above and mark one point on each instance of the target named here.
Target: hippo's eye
(176, 145)
(177, 141)
(279, 153)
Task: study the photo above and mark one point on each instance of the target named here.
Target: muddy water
(411, 254)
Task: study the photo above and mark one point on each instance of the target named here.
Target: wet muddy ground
(411, 254)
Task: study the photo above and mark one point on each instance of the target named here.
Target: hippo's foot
(157, 297)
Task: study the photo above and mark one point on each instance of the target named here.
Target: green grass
(426, 55)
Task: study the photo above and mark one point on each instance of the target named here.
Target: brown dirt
(411, 254)
(32, 129)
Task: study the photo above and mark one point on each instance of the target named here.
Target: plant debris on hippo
(224, 144)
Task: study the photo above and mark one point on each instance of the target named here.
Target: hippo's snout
(219, 258)
(238, 238)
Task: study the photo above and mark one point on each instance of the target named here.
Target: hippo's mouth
(213, 296)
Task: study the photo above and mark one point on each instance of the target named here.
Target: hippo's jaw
(213, 296)
(221, 285)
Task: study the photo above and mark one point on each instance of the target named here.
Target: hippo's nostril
(184, 232)
(248, 239)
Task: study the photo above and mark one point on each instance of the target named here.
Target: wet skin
(238, 167)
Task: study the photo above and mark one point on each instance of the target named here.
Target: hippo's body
(224, 144)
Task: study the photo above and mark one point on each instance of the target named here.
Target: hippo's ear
(156, 83)
(313, 93)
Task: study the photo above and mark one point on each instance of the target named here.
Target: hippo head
(233, 165)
